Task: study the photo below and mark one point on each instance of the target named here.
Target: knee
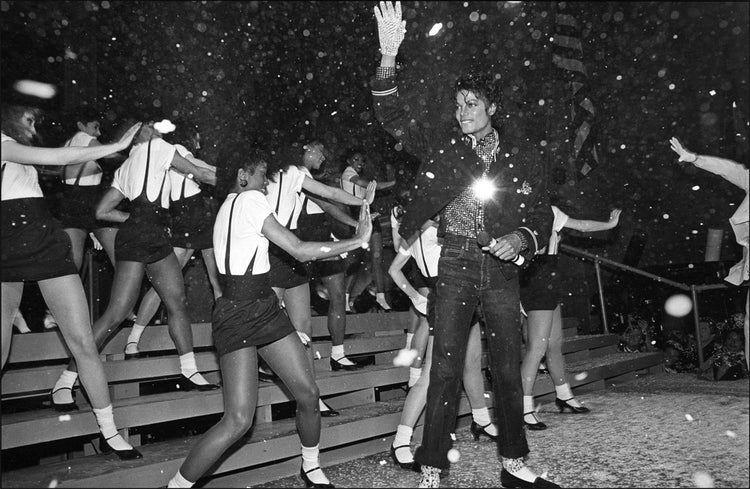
(307, 397)
(239, 422)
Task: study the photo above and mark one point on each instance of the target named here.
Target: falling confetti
(689, 418)
(453, 455)
(678, 305)
(35, 88)
(581, 376)
(53, 483)
(63, 417)
(703, 479)
(405, 357)
(382, 462)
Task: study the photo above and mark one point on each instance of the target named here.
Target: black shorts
(420, 280)
(316, 227)
(77, 207)
(540, 284)
(248, 314)
(286, 272)
(144, 237)
(34, 245)
(193, 222)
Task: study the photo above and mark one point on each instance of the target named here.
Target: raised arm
(30, 155)
(588, 226)
(312, 250)
(334, 212)
(729, 170)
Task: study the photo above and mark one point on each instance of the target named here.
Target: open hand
(391, 27)
(684, 154)
(370, 192)
(127, 138)
(614, 217)
(97, 245)
(364, 226)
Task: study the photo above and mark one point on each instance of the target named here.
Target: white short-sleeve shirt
(350, 187)
(19, 181)
(129, 177)
(557, 224)
(283, 195)
(246, 243)
(92, 172)
(179, 179)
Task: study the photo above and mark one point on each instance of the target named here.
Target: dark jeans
(469, 279)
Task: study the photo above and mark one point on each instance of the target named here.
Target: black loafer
(336, 365)
(511, 481)
(328, 413)
(190, 385)
(63, 407)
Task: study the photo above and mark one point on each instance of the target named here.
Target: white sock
(528, 404)
(409, 337)
(414, 375)
(134, 338)
(179, 481)
(337, 353)
(190, 369)
(481, 417)
(348, 309)
(403, 440)
(322, 406)
(310, 460)
(62, 392)
(519, 469)
(106, 419)
(563, 392)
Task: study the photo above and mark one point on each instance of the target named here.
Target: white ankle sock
(134, 338)
(190, 370)
(409, 337)
(403, 440)
(337, 353)
(310, 460)
(414, 375)
(528, 404)
(380, 299)
(62, 392)
(179, 481)
(519, 469)
(322, 406)
(563, 392)
(106, 419)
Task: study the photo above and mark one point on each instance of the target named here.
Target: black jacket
(449, 165)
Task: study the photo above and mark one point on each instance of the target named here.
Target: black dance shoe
(336, 366)
(511, 481)
(63, 407)
(562, 405)
(190, 385)
(129, 356)
(308, 482)
(413, 465)
(477, 430)
(130, 454)
(538, 426)
(328, 413)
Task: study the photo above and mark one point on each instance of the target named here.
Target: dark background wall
(265, 70)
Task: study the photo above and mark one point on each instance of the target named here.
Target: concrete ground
(662, 430)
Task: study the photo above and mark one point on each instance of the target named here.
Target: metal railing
(693, 289)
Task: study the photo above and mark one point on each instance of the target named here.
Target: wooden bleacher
(147, 398)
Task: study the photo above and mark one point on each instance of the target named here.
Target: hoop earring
(243, 183)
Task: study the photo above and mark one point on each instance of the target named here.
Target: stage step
(276, 443)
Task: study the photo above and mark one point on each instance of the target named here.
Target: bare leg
(106, 237)
(239, 372)
(12, 293)
(77, 241)
(166, 277)
(336, 307)
(555, 362)
(539, 327)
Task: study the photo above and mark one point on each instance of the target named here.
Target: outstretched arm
(334, 212)
(729, 170)
(588, 226)
(202, 174)
(71, 155)
(332, 193)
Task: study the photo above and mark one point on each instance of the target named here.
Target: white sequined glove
(391, 28)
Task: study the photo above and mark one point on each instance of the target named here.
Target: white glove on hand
(391, 28)
(685, 155)
(97, 244)
(420, 304)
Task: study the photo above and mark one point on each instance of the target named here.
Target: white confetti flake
(678, 305)
(581, 376)
(454, 455)
(703, 479)
(63, 417)
(382, 462)
(405, 357)
(52, 483)
(689, 418)
(453, 436)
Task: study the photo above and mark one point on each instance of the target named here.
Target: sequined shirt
(464, 215)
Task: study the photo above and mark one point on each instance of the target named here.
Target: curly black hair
(482, 84)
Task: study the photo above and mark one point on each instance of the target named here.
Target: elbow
(100, 214)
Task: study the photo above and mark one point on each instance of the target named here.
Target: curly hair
(482, 84)
(232, 158)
